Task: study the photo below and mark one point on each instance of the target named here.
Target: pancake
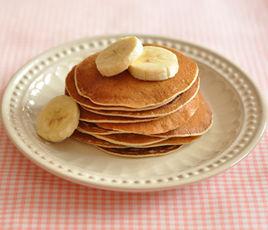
(72, 91)
(162, 125)
(164, 110)
(98, 118)
(127, 91)
(94, 140)
(175, 141)
(141, 152)
(129, 139)
(89, 139)
(138, 140)
(197, 125)
(92, 129)
(128, 117)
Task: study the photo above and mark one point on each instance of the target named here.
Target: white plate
(238, 113)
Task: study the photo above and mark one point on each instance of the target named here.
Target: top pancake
(85, 102)
(164, 110)
(127, 91)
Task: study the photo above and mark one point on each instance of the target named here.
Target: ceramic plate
(238, 114)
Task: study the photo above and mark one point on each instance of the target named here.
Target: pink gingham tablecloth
(31, 198)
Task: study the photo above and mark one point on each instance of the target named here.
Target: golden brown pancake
(164, 110)
(138, 140)
(197, 125)
(128, 117)
(175, 141)
(98, 118)
(162, 125)
(72, 91)
(93, 140)
(125, 90)
(141, 152)
(92, 129)
(128, 139)
(89, 139)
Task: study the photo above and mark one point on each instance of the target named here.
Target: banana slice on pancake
(58, 119)
(118, 56)
(155, 64)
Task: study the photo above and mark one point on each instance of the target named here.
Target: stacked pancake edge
(129, 117)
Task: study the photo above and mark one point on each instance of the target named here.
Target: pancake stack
(129, 117)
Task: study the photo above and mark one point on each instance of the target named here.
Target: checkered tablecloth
(31, 198)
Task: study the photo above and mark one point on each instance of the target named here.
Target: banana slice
(155, 64)
(58, 119)
(118, 56)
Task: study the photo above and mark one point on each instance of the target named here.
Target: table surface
(31, 198)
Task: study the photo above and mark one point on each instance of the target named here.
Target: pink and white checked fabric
(31, 198)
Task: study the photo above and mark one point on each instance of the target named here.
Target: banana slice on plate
(58, 119)
(118, 56)
(155, 64)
